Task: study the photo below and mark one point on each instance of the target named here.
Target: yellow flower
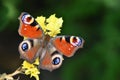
(33, 72)
(50, 26)
(36, 62)
(31, 69)
(41, 21)
(25, 38)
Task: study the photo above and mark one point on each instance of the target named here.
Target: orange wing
(50, 58)
(51, 62)
(30, 49)
(67, 45)
(29, 27)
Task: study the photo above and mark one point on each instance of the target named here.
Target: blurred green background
(97, 21)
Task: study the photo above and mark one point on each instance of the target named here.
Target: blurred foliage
(97, 21)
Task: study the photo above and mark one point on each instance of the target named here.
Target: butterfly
(50, 50)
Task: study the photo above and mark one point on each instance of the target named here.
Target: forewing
(29, 26)
(67, 45)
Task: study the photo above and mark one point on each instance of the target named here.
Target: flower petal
(50, 26)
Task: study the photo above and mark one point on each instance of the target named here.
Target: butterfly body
(50, 50)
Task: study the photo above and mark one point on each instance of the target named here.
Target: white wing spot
(25, 28)
(69, 49)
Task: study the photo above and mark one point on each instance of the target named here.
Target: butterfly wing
(50, 59)
(29, 27)
(67, 45)
(29, 49)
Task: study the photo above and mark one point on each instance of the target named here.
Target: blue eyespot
(56, 61)
(24, 46)
(79, 42)
(26, 18)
